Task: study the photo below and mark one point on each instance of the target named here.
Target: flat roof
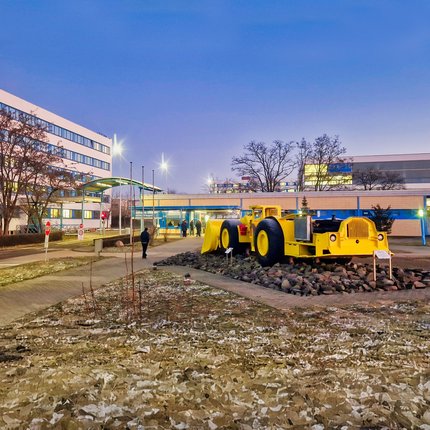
(389, 157)
(103, 184)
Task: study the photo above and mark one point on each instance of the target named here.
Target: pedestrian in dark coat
(198, 227)
(191, 228)
(144, 238)
(184, 227)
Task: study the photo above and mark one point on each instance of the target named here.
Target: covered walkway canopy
(102, 184)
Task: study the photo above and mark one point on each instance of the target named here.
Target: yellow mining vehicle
(272, 236)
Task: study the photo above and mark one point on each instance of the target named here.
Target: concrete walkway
(282, 301)
(32, 295)
(18, 299)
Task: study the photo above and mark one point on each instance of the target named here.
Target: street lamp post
(117, 150)
(164, 167)
(131, 203)
(142, 199)
(153, 200)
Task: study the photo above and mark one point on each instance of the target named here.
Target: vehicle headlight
(380, 236)
(333, 238)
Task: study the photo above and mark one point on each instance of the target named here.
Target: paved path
(34, 294)
(283, 301)
(18, 299)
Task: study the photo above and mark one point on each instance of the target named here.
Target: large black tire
(269, 242)
(229, 236)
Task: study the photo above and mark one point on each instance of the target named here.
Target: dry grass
(12, 275)
(168, 354)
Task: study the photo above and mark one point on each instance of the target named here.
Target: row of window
(55, 129)
(72, 155)
(55, 213)
(79, 158)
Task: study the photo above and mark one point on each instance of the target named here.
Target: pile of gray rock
(304, 278)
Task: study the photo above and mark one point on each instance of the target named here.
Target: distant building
(86, 152)
(410, 208)
(243, 185)
(414, 169)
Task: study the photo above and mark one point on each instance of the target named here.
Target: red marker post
(81, 232)
(47, 233)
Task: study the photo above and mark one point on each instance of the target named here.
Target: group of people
(194, 226)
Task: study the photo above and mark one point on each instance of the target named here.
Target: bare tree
(24, 154)
(392, 181)
(369, 179)
(372, 179)
(383, 218)
(326, 151)
(44, 188)
(266, 165)
(303, 154)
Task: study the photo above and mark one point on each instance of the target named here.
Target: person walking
(191, 228)
(184, 227)
(198, 228)
(144, 238)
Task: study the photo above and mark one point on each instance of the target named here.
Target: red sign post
(81, 232)
(47, 233)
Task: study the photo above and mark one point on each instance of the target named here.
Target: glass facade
(56, 130)
(413, 171)
(79, 158)
(72, 155)
(55, 213)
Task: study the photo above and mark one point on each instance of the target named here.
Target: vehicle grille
(358, 228)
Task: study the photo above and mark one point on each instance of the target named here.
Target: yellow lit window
(55, 213)
(67, 213)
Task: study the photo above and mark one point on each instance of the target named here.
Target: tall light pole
(142, 198)
(131, 203)
(153, 199)
(117, 150)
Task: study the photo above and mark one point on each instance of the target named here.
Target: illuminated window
(313, 169)
(55, 213)
(67, 213)
(88, 214)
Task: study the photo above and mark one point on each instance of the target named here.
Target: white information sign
(382, 255)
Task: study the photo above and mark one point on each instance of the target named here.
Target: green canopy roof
(103, 184)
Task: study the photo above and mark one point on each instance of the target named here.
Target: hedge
(125, 239)
(25, 239)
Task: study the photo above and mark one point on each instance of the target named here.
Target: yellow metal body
(212, 232)
(251, 221)
(355, 236)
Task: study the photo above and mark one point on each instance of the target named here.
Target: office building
(86, 152)
(412, 169)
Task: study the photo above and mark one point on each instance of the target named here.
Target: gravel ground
(307, 277)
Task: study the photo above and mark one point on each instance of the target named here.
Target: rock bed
(306, 279)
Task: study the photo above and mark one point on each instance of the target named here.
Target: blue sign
(339, 168)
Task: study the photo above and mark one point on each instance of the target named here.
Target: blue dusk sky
(197, 80)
